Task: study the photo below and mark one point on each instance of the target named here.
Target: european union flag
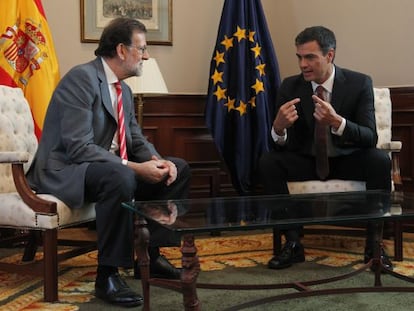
(244, 78)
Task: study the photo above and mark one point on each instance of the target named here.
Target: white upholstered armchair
(383, 111)
(22, 209)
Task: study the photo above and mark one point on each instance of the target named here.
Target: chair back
(383, 112)
(16, 131)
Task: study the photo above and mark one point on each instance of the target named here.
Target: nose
(302, 63)
(146, 55)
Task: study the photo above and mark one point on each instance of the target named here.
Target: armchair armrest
(14, 157)
(37, 204)
(392, 146)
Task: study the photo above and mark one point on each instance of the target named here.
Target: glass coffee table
(192, 217)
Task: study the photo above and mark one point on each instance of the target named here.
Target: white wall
(373, 36)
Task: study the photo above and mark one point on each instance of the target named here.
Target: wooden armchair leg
(50, 265)
(30, 249)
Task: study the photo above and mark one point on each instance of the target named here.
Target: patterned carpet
(77, 275)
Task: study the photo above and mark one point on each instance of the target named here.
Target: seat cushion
(332, 185)
(19, 215)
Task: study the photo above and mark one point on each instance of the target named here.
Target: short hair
(323, 36)
(119, 30)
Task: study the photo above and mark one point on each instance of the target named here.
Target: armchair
(383, 111)
(21, 208)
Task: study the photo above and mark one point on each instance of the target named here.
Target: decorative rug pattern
(77, 275)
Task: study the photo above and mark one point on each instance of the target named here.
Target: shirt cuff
(124, 162)
(280, 140)
(340, 129)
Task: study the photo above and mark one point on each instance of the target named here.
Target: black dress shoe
(160, 268)
(115, 290)
(386, 262)
(292, 252)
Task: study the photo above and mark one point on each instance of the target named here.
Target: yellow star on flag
(258, 86)
(256, 50)
(251, 35)
(240, 34)
(220, 93)
(219, 58)
(242, 108)
(252, 102)
(217, 77)
(261, 68)
(230, 104)
(227, 42)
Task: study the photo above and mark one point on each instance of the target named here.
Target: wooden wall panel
(403, 129)
(175, 124)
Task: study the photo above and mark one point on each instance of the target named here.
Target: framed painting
(156, 15)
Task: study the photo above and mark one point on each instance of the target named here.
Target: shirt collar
(328, 84)
(110, 75)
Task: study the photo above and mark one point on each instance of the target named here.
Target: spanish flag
(27, 55)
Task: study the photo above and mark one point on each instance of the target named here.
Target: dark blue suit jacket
(352, 98)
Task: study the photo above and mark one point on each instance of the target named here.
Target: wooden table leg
(376, 260)
(189, 274)
(141, 240)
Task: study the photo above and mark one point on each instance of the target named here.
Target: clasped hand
(156, 170)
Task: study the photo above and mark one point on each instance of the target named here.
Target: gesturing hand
(325, 113)
(286, 116)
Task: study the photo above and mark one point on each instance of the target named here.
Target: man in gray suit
(78, 156)
(347, 112)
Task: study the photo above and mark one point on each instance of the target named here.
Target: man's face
(314, 65)
(136, 54)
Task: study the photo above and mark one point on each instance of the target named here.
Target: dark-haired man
(345, 108)
(81, 156)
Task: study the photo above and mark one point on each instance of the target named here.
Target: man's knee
(265, 161)
(378, 159)
(121, 180)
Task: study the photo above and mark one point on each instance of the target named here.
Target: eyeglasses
(140, 49)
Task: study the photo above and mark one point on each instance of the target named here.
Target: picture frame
(156, 15)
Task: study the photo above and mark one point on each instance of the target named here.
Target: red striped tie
(121, 123)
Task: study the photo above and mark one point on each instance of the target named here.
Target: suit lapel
(103, 85)
(338, 90)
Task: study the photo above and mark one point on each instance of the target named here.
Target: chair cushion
(383, 112)
(332, 185)
(17, 136)
(19, 215)
(16, 131)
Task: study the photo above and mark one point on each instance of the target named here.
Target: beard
(138, 71)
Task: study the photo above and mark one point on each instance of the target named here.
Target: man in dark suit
(346, 107)
(78, 157)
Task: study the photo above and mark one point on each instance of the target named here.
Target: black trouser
(373, 166)
(110, 184)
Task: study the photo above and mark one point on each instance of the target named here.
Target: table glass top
(255, 212)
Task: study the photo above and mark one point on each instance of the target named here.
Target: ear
(120, 51)
(330, 55)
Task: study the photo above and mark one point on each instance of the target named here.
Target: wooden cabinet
(403, 129)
